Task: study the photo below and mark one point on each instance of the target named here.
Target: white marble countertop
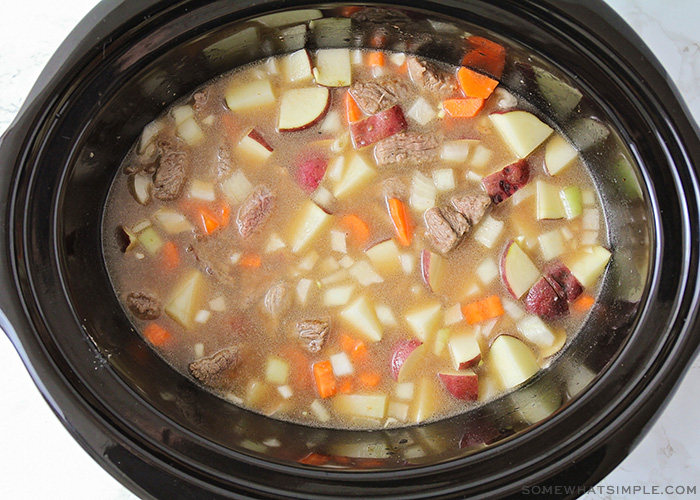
(39, 459)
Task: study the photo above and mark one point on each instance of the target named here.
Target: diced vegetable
(356, 229)
(274, 243)
(253, 95)
(364, 273)
(453, 314)
(444, 179)
(385, 315)
(518, 272)
(572, 201)
(558, 155)
(352, 110)
(173, 222)
(424, 320)
(303, 288)
(309, 261)
(338, 241)
(190, 132)
(276, 371)
(185, 300)
(296, 66)
(422, 111)
(521, 130)
(487, 270)
(156, 334)
(218, 304)
(589, 265)
(441, 338)
(434, 268)
(523, 194)
(464, 350)
(361, 405)
(362, 316)
(237, 187)
(467, 107)
(150, 132)
(406, 359)
(325, 380)
(423, 192)
(489, 231)
(171, 256)
(285, 391)
(385, 257)
(481, 157)
(482, 310)
(150, 240)
(583, 303)
(338, 296)
(140, 187)
(408, 262)
(254, 146)
(536, 331)
(475, 84)
(503, 184)
(301, 108)
(308, 224)
(512, 361)
(425, 404)
(377, 127)
(320, 411)
(549, 204)
(551, 244)
(457, 151)
(333, 67)
(341, 364)
(202, 190)
(357, 174)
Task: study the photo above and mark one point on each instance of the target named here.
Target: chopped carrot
(171, 257)
(467, 107)
(209, 217)
(346, 386)
(299, 364)
(402, 221)
(375, 59)
(250, 260)
(481, 310)
(370, 379)
(314, 458)
(356, 348)
(403, 69)
(583, 303)
(485, 55)
(475, 84)
(209, 220)
(352, 110)
(156, 334)
(224, 214)
(356, 228)
(347, 343)
(325, 380)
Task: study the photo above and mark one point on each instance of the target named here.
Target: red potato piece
(502, 184)
(546, 300)
(402, 351)
(377, 127)
(310, 172)
(558, 274)
(433, 268)
(462, 385)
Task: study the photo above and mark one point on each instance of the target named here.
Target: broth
(265, 251)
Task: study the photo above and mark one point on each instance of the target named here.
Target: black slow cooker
(162, 436)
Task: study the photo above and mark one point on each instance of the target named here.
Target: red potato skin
(402, 351)
(462, 386)
(470, 363)
(502, 184)
(255, 135)
(310, 172)
(559, 274)
(312, 122)
(377, 127)
(546, 300)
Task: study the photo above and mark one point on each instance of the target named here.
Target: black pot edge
(92, 438)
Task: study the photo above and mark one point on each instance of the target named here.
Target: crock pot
(163, 437)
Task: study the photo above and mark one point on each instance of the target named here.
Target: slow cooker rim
(28, 362)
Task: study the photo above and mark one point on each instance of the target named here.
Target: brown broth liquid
(231, 302)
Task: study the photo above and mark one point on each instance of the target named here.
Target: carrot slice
(325, 380)
(475, 84)
(402, 221)
(370, 379)
(314, 458)
(346, 386)
(583, 303)
(352, 110)
(156, 334)
(485, 55)
(467, 107)
(171, 257)
(356, 228)
(481, 310)
(251, 261)
(375, 59)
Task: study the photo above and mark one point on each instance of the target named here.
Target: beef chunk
(200, 99)
(170, 175)
(459, 224)
(440, 232)
(407, 147)
(393, 187)
(255, 210)
(472, 206)
(430, 77)
(373, 97)
(208, 370)
(143, 305)
(380, 16)
(314, 331)
(276, 299)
